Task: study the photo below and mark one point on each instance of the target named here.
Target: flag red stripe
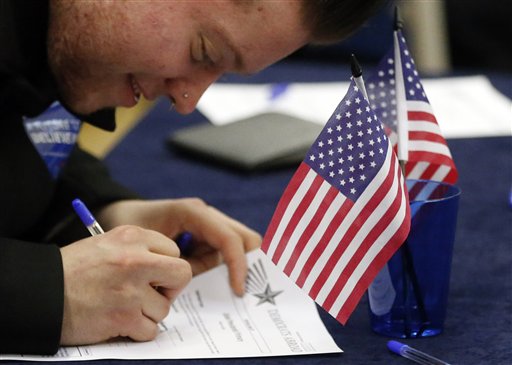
(288, 194)
(451, 177)
(426, 136)
(417, 115)
(310, 229)
(296, 217)
(322, 243)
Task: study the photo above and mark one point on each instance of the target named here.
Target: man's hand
(120, 283)
(216, 237)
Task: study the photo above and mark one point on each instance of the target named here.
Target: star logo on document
(257, 284)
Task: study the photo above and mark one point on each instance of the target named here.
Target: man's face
(105, 54)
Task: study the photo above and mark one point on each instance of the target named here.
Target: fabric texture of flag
(344, 212)
(429, 155)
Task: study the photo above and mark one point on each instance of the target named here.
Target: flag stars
(373, 164)
(320, 144)
(329, 142)
(340, 172)
(350, 147)
(351, 179)
(349, 136)
(359, 123)
(349, 125)
(362, 155)
(348, 114)
(359, 133)
(341, 160)
(329, 130)
(338, 116)
(357, 100)
(320, 155)
(371, 153)
(331, 174)
(342, 182)
(350, 157)
(359, 111)
(361, 166)
(352, 191)
(340, 138)
(331, 152)
(362, 177)
(322, 166)
(360, 144)
(369, 131)
(331, 163)
(381, 151)
(312, 158)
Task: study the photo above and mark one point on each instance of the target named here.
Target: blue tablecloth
(478, 328)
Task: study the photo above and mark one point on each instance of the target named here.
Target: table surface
(478, 328)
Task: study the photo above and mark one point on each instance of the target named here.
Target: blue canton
(351, 148)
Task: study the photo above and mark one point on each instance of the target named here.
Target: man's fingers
(144, 329)
(169, 274)
(154, 241)
(155, 305)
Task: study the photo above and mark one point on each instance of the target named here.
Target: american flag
(345, 211)
(429, 156)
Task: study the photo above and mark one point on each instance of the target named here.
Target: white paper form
(274, 318)
(465, 107)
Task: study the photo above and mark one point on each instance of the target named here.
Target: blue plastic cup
(408, 298)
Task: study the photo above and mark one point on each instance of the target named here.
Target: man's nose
(187, 92)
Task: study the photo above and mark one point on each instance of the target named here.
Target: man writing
(58, 286)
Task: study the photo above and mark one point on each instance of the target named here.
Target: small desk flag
(429, 156)
(345, 211)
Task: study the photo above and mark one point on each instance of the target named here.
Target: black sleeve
(31, 297)
(87, 178)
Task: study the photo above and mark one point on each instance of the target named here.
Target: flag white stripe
(424, 126)
(433, 147)
(324, 224)
(303, 223)
(363, 231)
(419, 106)
(290, 210)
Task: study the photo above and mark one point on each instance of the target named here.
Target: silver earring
(185, 95)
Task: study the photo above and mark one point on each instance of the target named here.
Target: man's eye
(205, 54)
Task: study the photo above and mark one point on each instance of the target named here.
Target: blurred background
(446, 37)
(443, 35)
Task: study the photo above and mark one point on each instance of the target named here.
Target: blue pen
(412, 354)
(87, 218)
(184, 240)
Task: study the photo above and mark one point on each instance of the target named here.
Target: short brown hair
(333, 20)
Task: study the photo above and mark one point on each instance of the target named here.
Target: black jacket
(33, 204)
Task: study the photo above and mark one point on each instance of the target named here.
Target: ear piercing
(185, 95)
